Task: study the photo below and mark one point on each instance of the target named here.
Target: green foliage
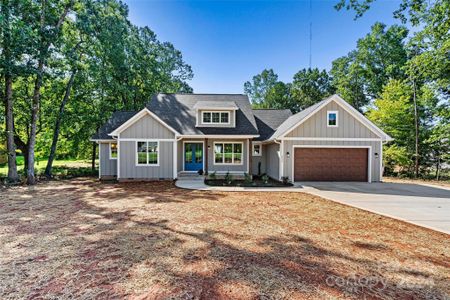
(379, 57)
(309, 87)
(260, 86)
(265, 179)
(228, 178)
(247, 178)
(116, 66)
(212, 176)
(396, 157)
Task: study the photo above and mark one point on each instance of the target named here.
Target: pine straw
(84, 239)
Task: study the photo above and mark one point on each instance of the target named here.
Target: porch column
(250, 155)
(206, 156)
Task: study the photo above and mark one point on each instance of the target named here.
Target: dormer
(215, 114)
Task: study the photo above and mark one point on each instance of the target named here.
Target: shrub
(228, 178)
(212, 176)
(200, 172)
(247, 178)
(285, 180)
(265, 179)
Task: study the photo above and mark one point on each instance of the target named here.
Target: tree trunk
(438, 167)
(31, 179)
(416, 125)
(45, 43)
(51, 157)
(94, 150)
(9, 102)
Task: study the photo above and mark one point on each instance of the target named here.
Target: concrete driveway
(422, 205)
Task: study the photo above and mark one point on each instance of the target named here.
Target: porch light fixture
(288, 154)
(376, 155)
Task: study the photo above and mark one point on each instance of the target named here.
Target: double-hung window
(228, 153)
(113, 151)
(216, 117)
(147, 153)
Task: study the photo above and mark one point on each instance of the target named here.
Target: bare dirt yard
(88, 240)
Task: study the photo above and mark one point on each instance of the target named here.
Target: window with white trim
(332, 118)
(216, 117)
(112, 150)
(257, 149)
(228, 153)
(147, 153)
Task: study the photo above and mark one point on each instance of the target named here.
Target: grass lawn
(84, 239)
(40, 165)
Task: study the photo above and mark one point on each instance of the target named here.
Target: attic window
(332, 118)
(216, 117)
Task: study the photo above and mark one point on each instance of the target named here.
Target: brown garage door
(330, 164)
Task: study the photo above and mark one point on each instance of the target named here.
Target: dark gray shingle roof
(268, 120)
(295, 119)
(178, 111)
(117, 119)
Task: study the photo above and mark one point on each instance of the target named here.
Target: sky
(228, 42)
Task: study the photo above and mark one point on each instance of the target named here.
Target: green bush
(212, 176)
(247, 178)
(265, 179)
(228, 178)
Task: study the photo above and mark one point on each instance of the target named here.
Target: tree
(259, 87)
(73, 64)
(379, 57)
(51, 21)
(309, 87)
(348, 81)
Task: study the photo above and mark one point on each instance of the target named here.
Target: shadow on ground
(84, 239)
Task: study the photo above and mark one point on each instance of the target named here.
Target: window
(228, 153)
(113, 151)
(257, 149)
(147, 153)
(211, 117)
(332, 118)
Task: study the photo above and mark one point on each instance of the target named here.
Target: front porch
(219, 155)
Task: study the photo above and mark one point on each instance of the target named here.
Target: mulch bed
(88, 240)
(254, 183)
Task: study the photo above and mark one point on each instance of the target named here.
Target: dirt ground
(441, 183)
(88, 240)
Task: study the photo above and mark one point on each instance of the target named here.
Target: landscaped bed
(254, 183)
(84, 239)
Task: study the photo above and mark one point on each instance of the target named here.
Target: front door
(193, 156)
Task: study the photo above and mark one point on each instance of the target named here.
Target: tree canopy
(67, 65)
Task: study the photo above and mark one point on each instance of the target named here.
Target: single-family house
(180, 133)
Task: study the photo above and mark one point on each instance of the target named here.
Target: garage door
(330, 164)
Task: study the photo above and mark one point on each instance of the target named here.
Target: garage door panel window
(228, 153)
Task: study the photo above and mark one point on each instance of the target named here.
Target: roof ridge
(270, 109)
(202, 94)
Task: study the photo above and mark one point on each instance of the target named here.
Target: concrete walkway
(420, 204)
